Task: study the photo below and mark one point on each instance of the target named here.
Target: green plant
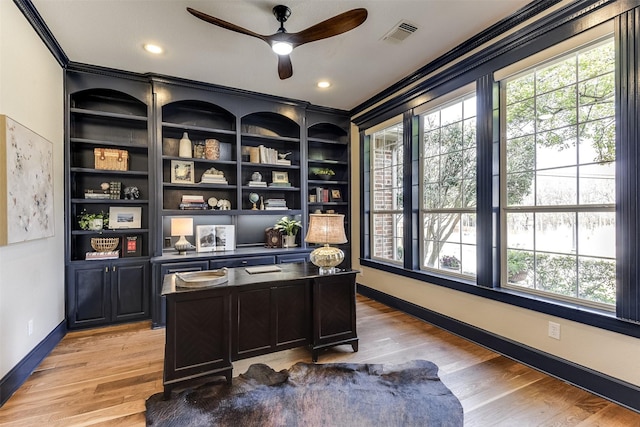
(518, 264)
(85, 218)
(288, 226)
(325, 171)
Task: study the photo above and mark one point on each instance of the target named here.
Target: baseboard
(613, 389)
(19, 374)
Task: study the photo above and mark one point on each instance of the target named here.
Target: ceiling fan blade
(224, 24)
(331, 27)
(285, 69)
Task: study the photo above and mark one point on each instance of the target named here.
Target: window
(386, 194)
(448, 179)
(559, 175)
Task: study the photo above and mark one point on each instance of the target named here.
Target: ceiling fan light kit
(282, 43)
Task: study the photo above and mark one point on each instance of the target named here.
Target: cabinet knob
(106, 269)
(114, 268)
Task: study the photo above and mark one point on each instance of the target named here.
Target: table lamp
(326, 229)
(182, 227)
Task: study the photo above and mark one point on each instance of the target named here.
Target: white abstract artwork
(26, 187)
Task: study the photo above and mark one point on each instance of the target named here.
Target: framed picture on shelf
(182, 172)
(335, 195)
(280, 177)
(210, 238)
(125, 217)
(131, 246)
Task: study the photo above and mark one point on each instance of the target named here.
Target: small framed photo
(210, 238)
(182, 172)
(125, 217)
(131, 246)
(280, 177)
(335, 196)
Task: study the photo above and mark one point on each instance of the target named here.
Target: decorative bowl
(104, 244)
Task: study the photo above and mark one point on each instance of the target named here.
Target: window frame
(460, 95)
(559, 53)
(467, 64)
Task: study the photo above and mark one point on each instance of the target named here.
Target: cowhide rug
(337, 394)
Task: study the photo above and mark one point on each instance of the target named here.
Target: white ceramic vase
(185, 146)
(289, 241)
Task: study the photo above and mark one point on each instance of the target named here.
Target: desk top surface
(239, 276)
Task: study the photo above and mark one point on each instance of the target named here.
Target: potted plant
(518, 265)
(289, 227)
(324, 173)
(93, 221)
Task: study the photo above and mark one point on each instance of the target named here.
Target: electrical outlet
(554, 330)
(30, 327)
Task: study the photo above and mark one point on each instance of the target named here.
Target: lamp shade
(182, 226)
(326, 229)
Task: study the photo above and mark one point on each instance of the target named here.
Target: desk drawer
(241, 262)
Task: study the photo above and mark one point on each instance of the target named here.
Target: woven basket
(104, 244)
(111, 159)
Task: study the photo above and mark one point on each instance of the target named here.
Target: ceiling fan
(282, 42)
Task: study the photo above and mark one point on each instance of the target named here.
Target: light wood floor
(103, 377)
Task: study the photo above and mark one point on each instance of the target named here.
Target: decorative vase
(289, 241)
(96, 224)
(185, 146)
(212, 149)
(256, 177)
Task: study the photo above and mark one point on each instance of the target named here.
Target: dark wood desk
(254, 314)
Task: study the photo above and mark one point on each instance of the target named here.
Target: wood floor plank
(102, 377)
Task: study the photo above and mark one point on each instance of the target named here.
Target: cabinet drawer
(241, 262)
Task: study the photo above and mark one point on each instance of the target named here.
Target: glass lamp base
(326, 258)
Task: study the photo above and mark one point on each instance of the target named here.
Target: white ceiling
(359, 64)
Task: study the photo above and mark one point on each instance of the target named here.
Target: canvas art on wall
(26, 184)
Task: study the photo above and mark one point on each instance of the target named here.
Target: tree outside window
(448, 177)
(559, 174)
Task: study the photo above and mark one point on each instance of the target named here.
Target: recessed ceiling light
(153, 48)
(324, 84)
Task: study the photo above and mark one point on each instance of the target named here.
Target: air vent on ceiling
(400, 31)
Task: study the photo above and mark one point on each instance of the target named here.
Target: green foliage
(85, 218)
(519, 263)
(324, 171)
(288, 226)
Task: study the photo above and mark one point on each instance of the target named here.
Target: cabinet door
(291, 315)
(334, 310)
(130, 291)
(88, 296)
(159, 311)
(197, 342)
(297, 257)
(252, 333)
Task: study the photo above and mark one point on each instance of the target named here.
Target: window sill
(585, 315)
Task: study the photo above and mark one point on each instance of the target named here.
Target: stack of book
(103, 255)
(275, 204)
(210, 178)
(192, 202)
(257, 184)
(280, 184)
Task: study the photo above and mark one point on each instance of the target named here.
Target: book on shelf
(285, 162)
(187, 198)
(322, 195)
(280, 184)
(193, 206)
(257, 184)
(207, 180)
(102, 255)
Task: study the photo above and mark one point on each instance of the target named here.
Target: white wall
(31, 273)
(607, 352)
